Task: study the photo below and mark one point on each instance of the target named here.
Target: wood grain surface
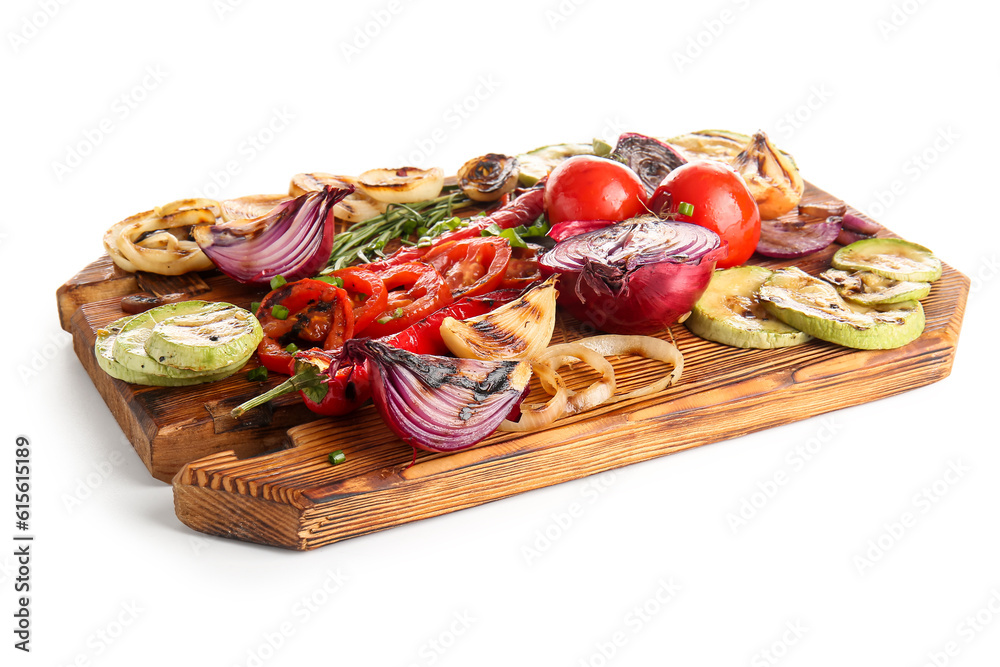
(292, 497)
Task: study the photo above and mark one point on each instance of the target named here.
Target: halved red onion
(785, 239)
(634, 277)
(293, 240)
(650, 158)
(440, 404)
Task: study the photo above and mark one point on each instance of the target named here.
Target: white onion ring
(534, 417)
(644, 346)
(598, 392)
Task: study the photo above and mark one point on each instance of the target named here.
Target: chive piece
(278, 281)
(291, 348)
(331, 280)
(337, 457)
(258, 374)
(279, 312)
(254, 307)
(685, 209)
(398, 314)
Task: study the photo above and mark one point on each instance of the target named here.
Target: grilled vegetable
(891, 258)
(159, 241)
(251, 206)
(729, 312)
(650, 158)
(720, 145)
(103, 350)
(209, 338)
(771, 176)
(355, 207)
(870, 289)
(402, 186)
(439, 404)
(519, 330)
(814, 307)
(635, 277)
(189, 351)
(788, 239)
(854, 228)
(293, 240)
(488, 177)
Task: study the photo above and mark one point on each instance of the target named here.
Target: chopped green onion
(280, 312)
(398, 313)
(278, 281)
(337, 457)
(254, 307)
(291, 348)
(685, 209)
(258, 374)
(332, 280)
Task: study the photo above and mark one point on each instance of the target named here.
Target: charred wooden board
(292, 497)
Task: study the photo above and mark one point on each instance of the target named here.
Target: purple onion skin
(653, 297)
(411, 409)
(789, 240)
(641, 300)
(249, 257)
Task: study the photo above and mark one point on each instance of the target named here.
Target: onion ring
(537, 416)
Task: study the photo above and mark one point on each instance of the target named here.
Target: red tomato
(721, 203)
(312, 314)
(587, 187)
(471, 266)
(414, 291)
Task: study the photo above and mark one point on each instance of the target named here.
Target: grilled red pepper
(348, 387)
(522, 211)
(306, 313)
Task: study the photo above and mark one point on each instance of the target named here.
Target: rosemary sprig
(425, 219)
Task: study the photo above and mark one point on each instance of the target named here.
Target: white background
(855, 90)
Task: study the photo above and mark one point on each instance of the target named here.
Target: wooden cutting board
(225, 484)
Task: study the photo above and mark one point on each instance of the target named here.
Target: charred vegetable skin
(306, 313)
(650, 158)
(522, 211)
(635, 277)
(341, 390)
(439, 404)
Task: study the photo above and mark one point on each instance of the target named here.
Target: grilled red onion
(635, 277)
(292, 240)
(440, 404)
(650, 158)
(856, 228)
(786, 239)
